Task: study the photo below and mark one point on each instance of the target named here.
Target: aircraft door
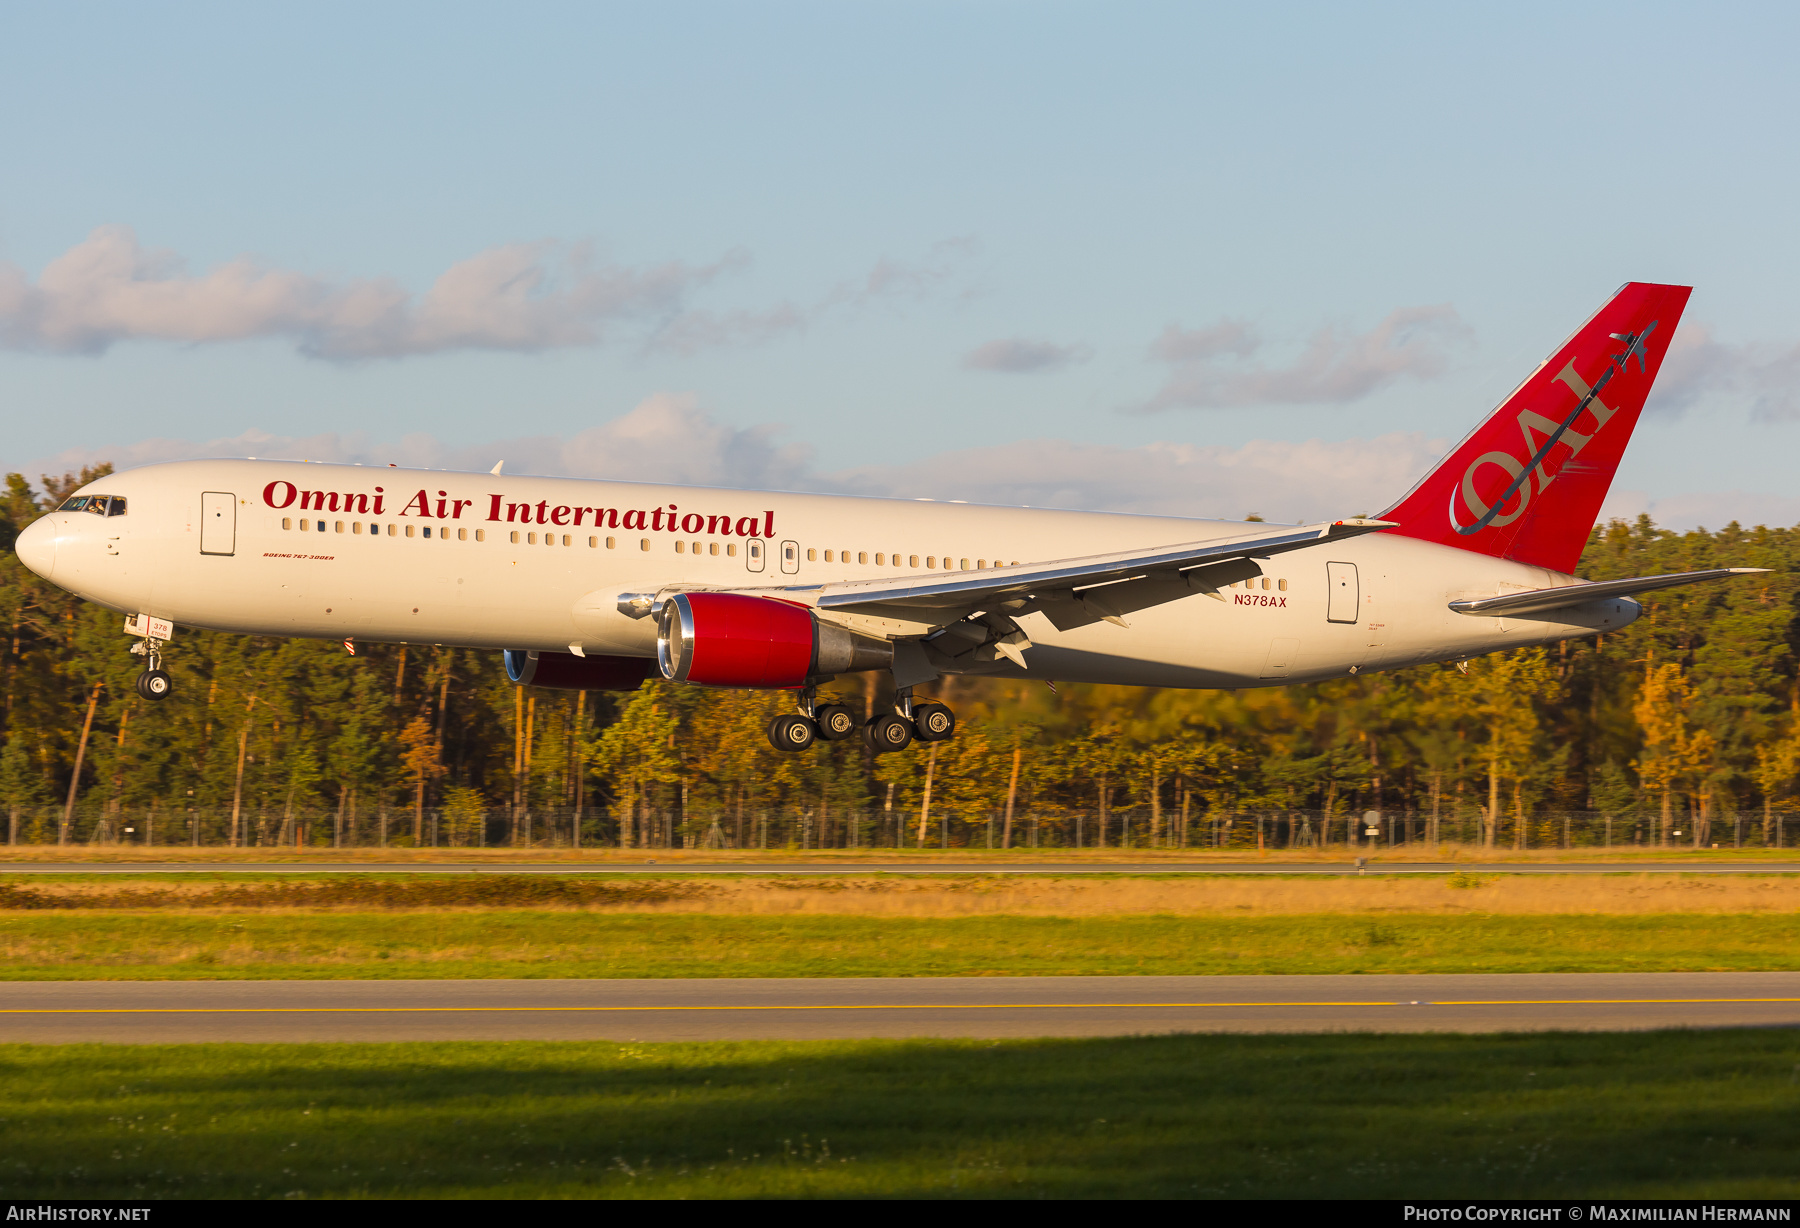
(1343, 596)
(755, 554)
(790, 558)
(218, 523)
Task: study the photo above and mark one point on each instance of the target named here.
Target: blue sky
(947, 249)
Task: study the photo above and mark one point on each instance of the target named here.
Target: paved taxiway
(748, 1009)
(644, 866)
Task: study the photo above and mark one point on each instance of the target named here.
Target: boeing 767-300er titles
(600, 585)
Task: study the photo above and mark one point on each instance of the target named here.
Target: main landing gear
(892, 731)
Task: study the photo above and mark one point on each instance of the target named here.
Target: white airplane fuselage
(505, 562)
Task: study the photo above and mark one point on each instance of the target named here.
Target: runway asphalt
(657, 866)
(55, 1012)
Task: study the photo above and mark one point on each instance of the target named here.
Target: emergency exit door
(218, 523)
(1342, 596)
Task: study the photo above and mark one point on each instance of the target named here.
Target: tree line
(1684, 727)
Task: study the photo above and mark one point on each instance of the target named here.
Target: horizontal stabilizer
(1542, 600)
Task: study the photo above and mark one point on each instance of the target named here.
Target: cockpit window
(98, 505)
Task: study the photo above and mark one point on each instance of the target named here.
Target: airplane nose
(36, 547)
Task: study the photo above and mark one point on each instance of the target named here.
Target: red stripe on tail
(1527, 483)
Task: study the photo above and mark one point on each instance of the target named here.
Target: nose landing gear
(154, 683)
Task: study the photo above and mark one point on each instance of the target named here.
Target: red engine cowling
(734, 640)
(564, 671)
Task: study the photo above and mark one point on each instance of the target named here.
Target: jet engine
(564, 671)
(734, 640)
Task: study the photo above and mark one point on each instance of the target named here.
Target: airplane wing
(1542, 600)
(1078, 591)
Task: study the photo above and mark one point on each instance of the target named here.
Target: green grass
(524, 943)
(1645, 1115)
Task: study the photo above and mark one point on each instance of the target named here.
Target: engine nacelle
(734, 640)
(564, 671)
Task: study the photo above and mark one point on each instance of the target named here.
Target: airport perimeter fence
(828, 827)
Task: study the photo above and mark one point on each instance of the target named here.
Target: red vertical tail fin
(1527, 483)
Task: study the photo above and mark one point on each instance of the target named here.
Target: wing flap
(1105, 586)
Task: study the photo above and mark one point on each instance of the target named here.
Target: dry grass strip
(973, 895)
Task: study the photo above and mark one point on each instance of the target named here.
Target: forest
(1683, 729)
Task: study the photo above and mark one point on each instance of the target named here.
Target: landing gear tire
(835, 721)
(935, 722)
(792, 733)
(886, 734)
(154, 684)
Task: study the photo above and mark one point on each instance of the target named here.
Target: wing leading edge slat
(951, 594)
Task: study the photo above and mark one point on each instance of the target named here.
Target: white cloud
(520, 296)
(1303, 481)
(1228, 336)
(888, 280)
(665, 438)
(1018, 355)
(669, 438)
(1699, 364)
(1211, 367)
